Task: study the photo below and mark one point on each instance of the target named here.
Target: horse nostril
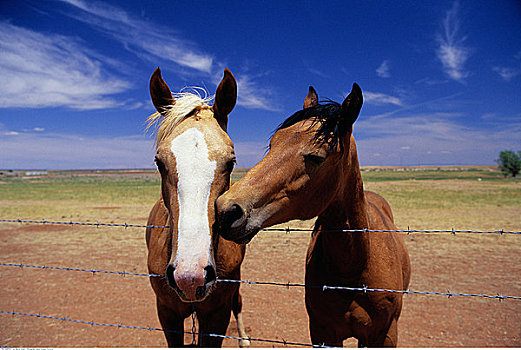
(231, 217)
(209, 277)
(209, 274)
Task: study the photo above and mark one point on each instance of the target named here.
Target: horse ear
(311, 99)
(160, 92)
(225, 98)
(352, 105)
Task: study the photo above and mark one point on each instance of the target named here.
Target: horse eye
(160, 165)
(314, 159)
(230, 165)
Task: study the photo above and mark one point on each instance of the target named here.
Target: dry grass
(446, 204)
(485, 263)
(491, 204)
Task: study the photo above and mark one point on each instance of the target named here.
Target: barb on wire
(120, 326)
(287, 229)
(287, 285)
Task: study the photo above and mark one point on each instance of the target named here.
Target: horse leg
(237, 312)
(214, 322)
(172, 324)
(320, 335)
(388, 339)
(391, 338)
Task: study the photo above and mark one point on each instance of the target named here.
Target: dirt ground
(487, 264)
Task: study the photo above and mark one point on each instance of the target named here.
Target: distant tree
(509, 162)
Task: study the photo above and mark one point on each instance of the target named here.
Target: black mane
(327, 115)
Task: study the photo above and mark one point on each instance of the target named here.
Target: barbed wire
(123, 326)
(288, 285)
(408, 231)
(366, 289)
(93, 271)
(287, 229)
(48, 222)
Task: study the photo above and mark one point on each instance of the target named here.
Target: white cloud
(36, 129)
(379, 98)
(383, 70)
(142, 37)
(57, 151)
(52, 70)
(451, 50)
(430, 82)
(318, 73)
(435, 138)
(156, 43)
(313, 70)
(507, 73)
(250, 95)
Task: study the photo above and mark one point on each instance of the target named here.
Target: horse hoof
(244, 343)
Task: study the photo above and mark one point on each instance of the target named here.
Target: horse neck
(346, 250)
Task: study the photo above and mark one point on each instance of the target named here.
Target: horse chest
(343, 313)
(340, 314)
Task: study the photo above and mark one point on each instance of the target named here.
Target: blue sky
(441, 79)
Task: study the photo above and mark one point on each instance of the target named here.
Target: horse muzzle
(231, 221)
(233, 224)
(191, 285)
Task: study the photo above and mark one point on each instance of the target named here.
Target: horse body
(195, 158)
(355, 259)
(312, 170)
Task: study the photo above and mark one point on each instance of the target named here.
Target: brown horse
(312, 170)
(195, 157)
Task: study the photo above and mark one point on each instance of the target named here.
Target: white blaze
(195, 176)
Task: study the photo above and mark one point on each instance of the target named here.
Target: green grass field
(79, 197)
(477, 198)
